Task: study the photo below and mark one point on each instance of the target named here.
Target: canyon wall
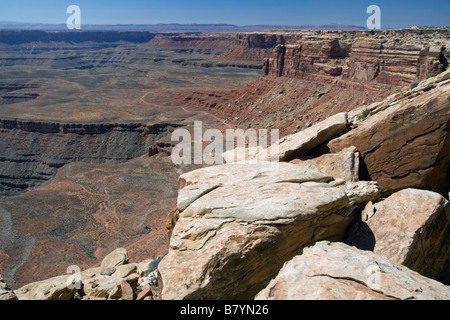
(258, 46)
(395, 57)
(197, 41)
(32, 151)
(26, 36)
(309, 75)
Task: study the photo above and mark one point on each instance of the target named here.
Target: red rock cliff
(395, 57)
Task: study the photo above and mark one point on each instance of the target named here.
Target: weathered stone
(57, 288)
(100, 287)
(394, 59)
(5, 292)
(361, 192)
(259, 171)
(197, 183)
(336, 271)
(115, 293)
(114, 259)
(127, 291)
(241, 154)
(121, 291)
(7, 295)
(189, 194)
(125, 270)
(342, 165)
(132, 279)
(298, 144)
(410, 228)
(241, 221)
(404, 142)
(90, 273)
(231, 241)
(146, 292)
(107, 271)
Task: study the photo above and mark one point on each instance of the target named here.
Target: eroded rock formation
(416, 221)
(404, 140)
(234, 215)
(395, 57)
(32, 151)
(335, 271)
(128, 281)
(238, 222)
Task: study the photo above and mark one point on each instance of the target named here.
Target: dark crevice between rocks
(444, 61)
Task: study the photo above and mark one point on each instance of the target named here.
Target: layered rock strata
(336, 271)
(395, 57)
(32, 151)
(403, 140)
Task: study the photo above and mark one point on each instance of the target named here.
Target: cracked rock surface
(336, 271)
(243, 221)
(404, 142)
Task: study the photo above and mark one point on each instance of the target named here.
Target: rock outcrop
(296, 145)
(336, 271)
(231, 216)
(123, 281)
(57, 288)
(110, 263)
(292, 146)
(395, 57)
(239, 221)
(257, 46)
(235, 214)
(342, 165)
(410, 228)
(404, 140)
(5, 291)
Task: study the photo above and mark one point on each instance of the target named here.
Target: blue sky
(394, 13)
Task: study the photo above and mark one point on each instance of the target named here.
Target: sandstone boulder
(57, 288)
(104, 287)
(5, 292)
(359, 193)
(93, 283)
(197, 183)
(229, 242)
(241, 154)
(342, 165)
(122, 291)
(336, 271)
(101, 287)
(404, 141)
(410, 228)
(125, 270)
(298, 144)
(114, 259)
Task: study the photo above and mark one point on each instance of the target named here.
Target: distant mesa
(174, 27)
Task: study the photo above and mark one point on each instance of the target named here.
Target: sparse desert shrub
(430, 75)
(364, 114)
